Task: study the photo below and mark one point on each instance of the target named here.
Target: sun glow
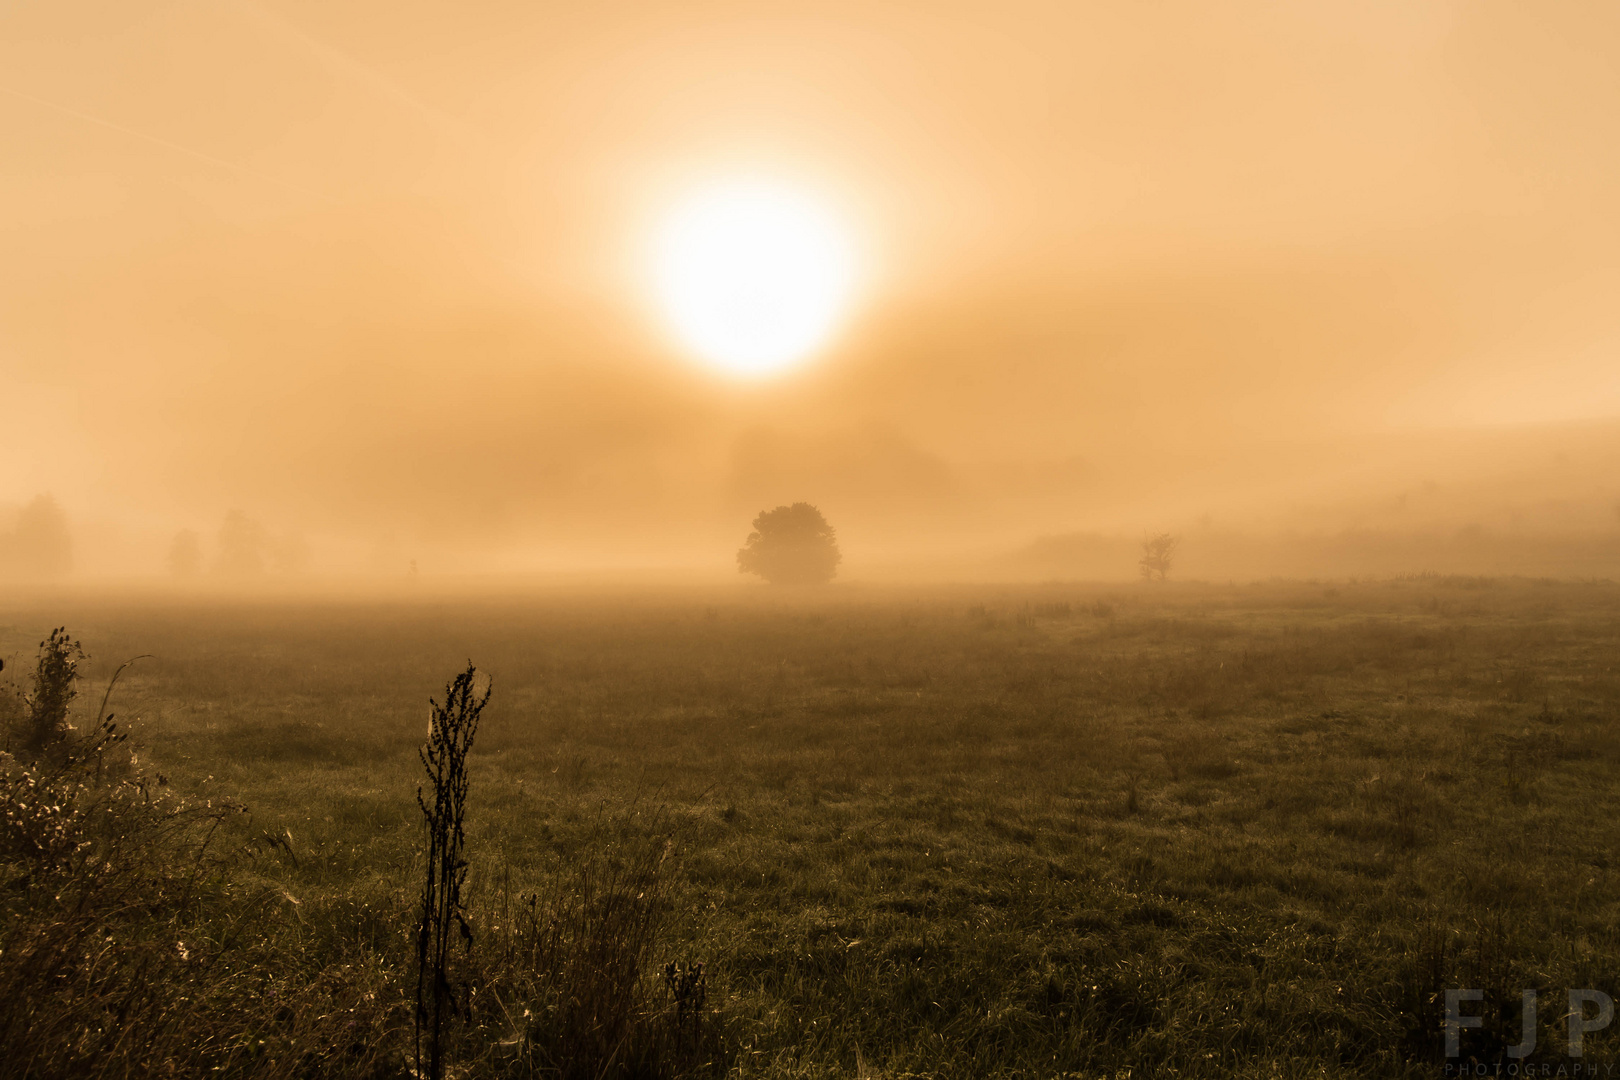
(753, 277)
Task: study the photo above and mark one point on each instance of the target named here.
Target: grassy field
(1035, 831)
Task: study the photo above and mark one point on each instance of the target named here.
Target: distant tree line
(243, 548)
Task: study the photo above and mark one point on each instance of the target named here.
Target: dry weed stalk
(451, 728)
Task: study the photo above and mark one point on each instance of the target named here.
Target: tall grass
(147, 933)
(126, 950)
(580, 956)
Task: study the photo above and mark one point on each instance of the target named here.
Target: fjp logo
(1579, 1022)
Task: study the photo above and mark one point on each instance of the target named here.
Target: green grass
(1029, 831)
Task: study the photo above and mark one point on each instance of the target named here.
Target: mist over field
(768, 540)
(1326, 290)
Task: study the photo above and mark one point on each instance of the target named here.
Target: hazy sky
(371, 270)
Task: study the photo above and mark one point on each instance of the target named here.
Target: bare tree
(1157, 553)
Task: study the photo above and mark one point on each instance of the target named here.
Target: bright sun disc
(753, 277)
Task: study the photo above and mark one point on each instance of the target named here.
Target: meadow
(1033, 831)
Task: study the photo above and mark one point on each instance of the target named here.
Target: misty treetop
(791, 545)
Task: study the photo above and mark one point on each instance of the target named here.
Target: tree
(41, 546)
(1157, 551)
(185, 554)
(791, 545)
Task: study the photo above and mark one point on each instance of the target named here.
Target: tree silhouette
(1157, 552)
(41, 546)
(791, 545)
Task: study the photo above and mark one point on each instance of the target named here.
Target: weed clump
(41, 725)
(581, 955)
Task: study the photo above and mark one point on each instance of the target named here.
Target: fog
(1324, 289)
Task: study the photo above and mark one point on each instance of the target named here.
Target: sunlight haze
(1000, 539)
(387, 278)
(752, 276)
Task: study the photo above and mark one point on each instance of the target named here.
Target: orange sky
(366, 269)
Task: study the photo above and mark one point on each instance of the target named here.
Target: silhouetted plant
(106, 735)
(56, 674)
(451, 728)
(791, 545)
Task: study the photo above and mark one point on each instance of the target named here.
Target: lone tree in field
(1157, 552)
(791, 545)
(40, 546)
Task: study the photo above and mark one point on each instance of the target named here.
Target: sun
(753, 276)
